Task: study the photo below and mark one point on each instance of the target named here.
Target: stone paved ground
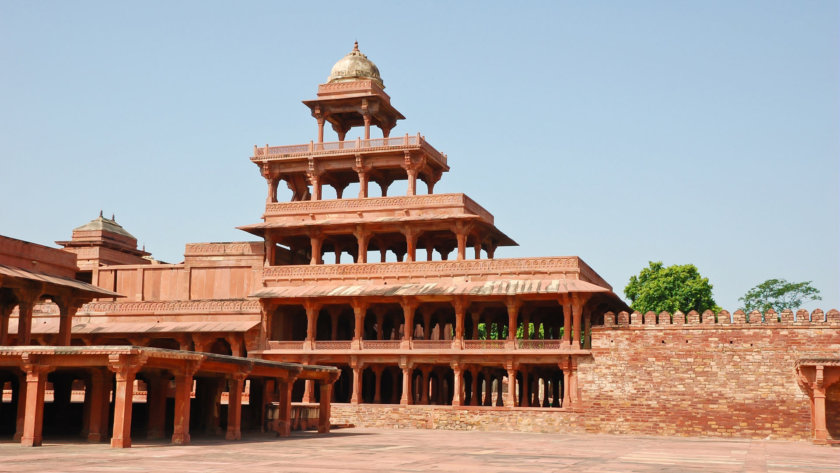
(365, 450)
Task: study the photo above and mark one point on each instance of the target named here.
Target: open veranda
(354, 449)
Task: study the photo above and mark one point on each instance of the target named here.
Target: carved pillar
(316, 241)
(366, 118)
(405, 398)
(818, 400)
(359, 311)
(461, 236)
(183, 388)
(379, 312)
(26, 303)
(408, 307)
(457, 384)
(33, 419)
(273, 182)
(324, 407)
(460, 306)
(513, 305)
(363, 183)
(6, 309)
(475, 390)
(335, 313)
(312, 311)
(362, 240)
(410, 244)
(357, 367)
(427, 311)
(488, 388)
(320, 128)
(67, 310)
(236, 383)
(567, 321)
(125, 370)
(424, 391)
(476, 318)
(511, 373)
(284, 414)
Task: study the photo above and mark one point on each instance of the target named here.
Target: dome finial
(356, 45)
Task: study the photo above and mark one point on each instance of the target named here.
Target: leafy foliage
(677, 287)
(778, 294)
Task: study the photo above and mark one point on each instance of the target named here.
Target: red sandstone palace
(384, 310)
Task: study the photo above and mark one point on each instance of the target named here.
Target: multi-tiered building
(404, 293)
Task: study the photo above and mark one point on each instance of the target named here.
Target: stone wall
(657, 374)
(707, 375)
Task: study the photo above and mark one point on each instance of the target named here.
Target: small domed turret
(355, 66)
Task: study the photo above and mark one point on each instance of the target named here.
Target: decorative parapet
(204, 306)
(245, 248)
(561, 267)
(376, 204)
(332, 148)
(817, 318)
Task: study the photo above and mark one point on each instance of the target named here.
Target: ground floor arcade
(183, 393)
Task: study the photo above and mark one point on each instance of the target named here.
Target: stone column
(21, 406)
(819, 388)
(125, 371)
(324, 407)
(511, 373)
(67, 310)
(320, 129)
(316, 241)
(567, 397)
(488, 388)
(405, 398)
(379, 312)
(408, 319)
(460, 307)
(457, 384)
(356, 397)
(284, 414)
(476, 318)
(499, 401)
(25, 306)
(33, 420)
(366, 117)
(183, 388)
(363, 184)
(461, 236)
(5, 313)
(567, 322)
(335, 312)
(411, 244)
(513, 312)
(359, 311)
(272, 189)
(412, 181)
(308, 391)
(97, 394)
(236, 383)
(312, 311)
(156, 395)
(362, 240)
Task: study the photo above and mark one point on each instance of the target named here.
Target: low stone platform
(430, 450)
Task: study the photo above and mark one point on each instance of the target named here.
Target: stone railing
(269, 153)
(381, 344)
(374, 204)
(333, 345)
(285, 345)
(431, 344)
(540, 344)
(561, 267)
(202, 306)
(485, 344)
(771, 318)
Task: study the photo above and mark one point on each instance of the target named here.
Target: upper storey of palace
(354, 96)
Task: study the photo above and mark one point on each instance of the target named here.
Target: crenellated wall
(705, 374)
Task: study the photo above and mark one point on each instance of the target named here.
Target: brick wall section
(705, 376)
(657, 374)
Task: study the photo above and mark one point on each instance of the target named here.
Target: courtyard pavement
(366, 450)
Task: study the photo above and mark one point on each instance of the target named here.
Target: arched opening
(288, 323)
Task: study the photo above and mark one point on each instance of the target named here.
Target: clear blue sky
(688, 132)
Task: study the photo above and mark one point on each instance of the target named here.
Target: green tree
(778, 294)
(677, 287)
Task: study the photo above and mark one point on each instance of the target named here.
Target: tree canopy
(778, 294)
(672, 288)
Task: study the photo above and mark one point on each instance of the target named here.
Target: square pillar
(33, 418)
(511, 372)
(284, 414)
(24, 333)
(183, 388)
(356, 397)
(405, 399)
(309, 391)
(324, 407)
(457, 384)
(126, 371)
(234, 431)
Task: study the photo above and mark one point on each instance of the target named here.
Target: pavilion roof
(79, 286)
(51, 325)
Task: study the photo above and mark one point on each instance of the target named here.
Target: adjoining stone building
(405, 296)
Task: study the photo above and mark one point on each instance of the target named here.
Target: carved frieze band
(174, 306)
(205, 249)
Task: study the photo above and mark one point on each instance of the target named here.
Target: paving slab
(368, 450)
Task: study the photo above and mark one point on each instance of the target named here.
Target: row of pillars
(572, 318)
(556, 390)
(25, 300)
